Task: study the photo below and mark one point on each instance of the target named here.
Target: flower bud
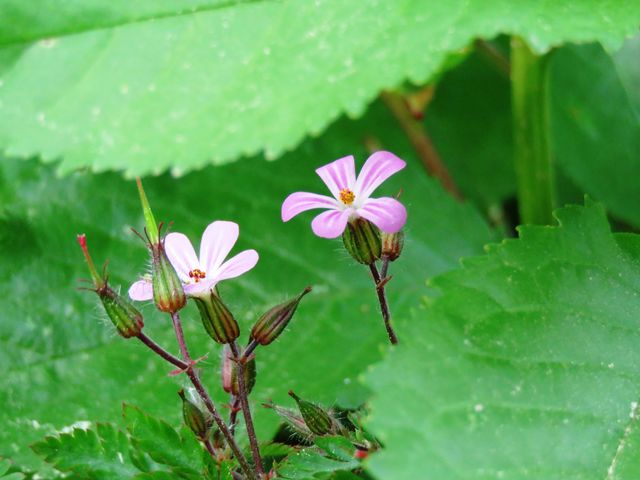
(168, 293)
(230, 373)
(271, 324)
(199, 423)
(317, 419)
(124, 316)
(361, 238)
(292, 419)
(392, 244)
(218, 321)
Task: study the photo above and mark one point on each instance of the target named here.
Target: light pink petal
(339, 174)
(302, 201)
(141, 291)
(386, 213)
(205, 285)
(330, 224)
(377, 168)
(181, 254)
(237, 265)
(217, 241)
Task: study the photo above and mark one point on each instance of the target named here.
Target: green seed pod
(292, 419)
(271, 324)
(194, 418)
(361, 238)
(230, 373)
(318, 420)
(124, 316)
(392, 244)
(168, 293)
(218, 321)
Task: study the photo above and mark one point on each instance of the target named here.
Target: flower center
(347, 196)
(197, 274)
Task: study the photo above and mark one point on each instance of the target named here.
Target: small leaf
(164, 444)
(101, 453)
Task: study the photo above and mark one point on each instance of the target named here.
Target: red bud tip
(82, 241)
(361, 454)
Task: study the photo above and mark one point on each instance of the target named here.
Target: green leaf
(308, 463)
(5, 465)
(146, 86)
(163, 444)
(596, 123)
(101, 453)
(469, 121)
(525, 367)
(62, 361)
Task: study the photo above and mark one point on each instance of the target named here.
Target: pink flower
(200, 275)
(351, 196)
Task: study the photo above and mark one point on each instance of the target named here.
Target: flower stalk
(246, 410)
(382, 298)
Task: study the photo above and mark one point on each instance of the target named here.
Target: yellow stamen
(197, 274)
(347, 196)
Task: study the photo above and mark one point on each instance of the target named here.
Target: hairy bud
(168, 294)
(317, 419)
(271, 324)
(218, 321)
(392, 244)
(292, 419)
(197, 421)
(124, 316)
(230, 373)
(361, 238)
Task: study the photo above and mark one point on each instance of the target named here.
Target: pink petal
(237, 265)
(141, 291)
(339, 174)
(377, 168)
(302, 201)
(330, 224)
(387, 213)
(181, 254)
(192, 289)
(217, 241)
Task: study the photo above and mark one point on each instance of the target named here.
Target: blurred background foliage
(226, 107)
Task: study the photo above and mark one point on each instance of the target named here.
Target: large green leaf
(61, 361)
(145, 86)
(596, 123)
(526, 367)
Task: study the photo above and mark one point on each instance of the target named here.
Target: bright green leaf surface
(526, 367)
(596, 123)
(163, 444)
(60, 359)
(146, 86)
(100, 454)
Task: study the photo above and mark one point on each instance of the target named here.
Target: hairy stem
(195, 380)
(210, 449)
(382, 299)
(233, 414)
(533, 162)
(421, 141)
(162, 352)
(246, 411)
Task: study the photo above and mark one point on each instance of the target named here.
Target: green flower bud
(124, 316)
(392, 244)
(168, 293)
(230, 373)
(317, 419)
(194, 418)
(271, 324)
(218, 321)
(361, 238)
(292, 419)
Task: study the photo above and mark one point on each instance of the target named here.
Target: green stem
(533, 163)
